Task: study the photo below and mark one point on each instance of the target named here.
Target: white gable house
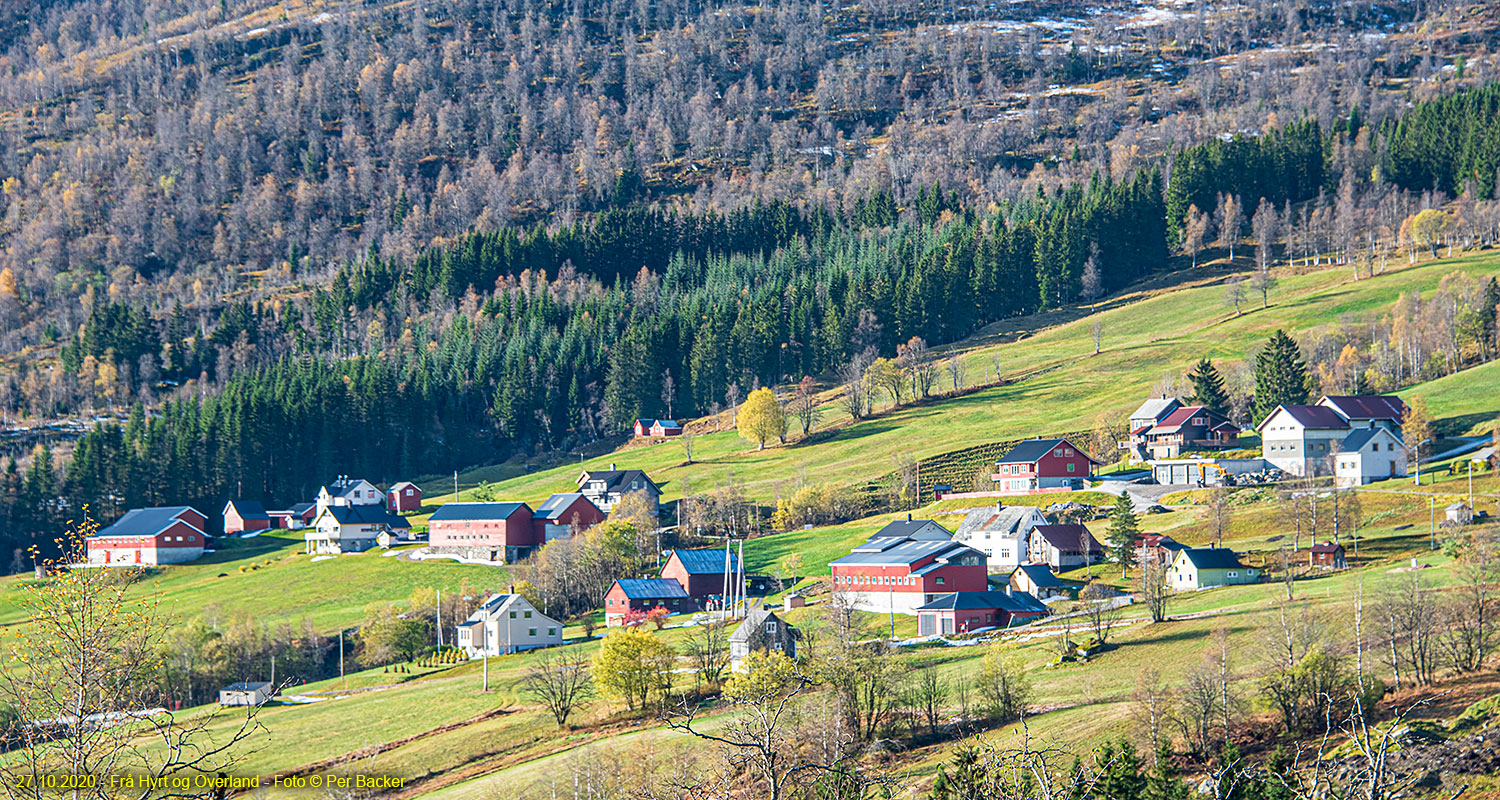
(1001, 533)
(1369, 455)
(507, 623)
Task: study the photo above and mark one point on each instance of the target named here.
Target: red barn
(897, 573)
(245, 515)
(500, 532)
(649, 428)
(150, 536)
(964, 612)
(404, 497)
(644, 594)
(1043, 464)
(701, 572)
(565, 513)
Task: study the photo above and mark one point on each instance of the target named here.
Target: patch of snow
(250, 34)
(250, 535)
(315, 559)
(321, 18)
(424, 555)
(391, 553)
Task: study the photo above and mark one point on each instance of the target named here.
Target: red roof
(1369, 406)
(1318, 417)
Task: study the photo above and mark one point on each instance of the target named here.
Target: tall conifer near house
(1280, 375)
(1123, 532)
(1208, 387)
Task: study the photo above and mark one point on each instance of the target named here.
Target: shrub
(814, 505)
(658, 617)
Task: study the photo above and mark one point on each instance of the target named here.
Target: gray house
(761, 630)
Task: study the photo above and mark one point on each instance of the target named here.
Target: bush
(658, 617)
(814, 505)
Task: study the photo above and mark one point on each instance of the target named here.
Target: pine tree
(1123, 532)
(1280, 375)
(1208, 387)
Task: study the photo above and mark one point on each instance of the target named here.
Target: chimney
(1008, 592)
(908, 516)
(999, 504)
(611, 466)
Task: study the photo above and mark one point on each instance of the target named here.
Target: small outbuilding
(1039, 581)
(1459, 514)
(1327, 555)
(245, 693)
(963, 612)
(404, 497)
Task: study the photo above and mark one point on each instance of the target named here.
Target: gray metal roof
(1212, 558)
(554, 506)
(1006, 520)
(1005, 601)
(902, 552)
(471, 511)
(1156, 408)
(148, 521)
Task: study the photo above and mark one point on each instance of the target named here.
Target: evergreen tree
(1121, 775)
(1208, 387)
(1280, 375)
(1123, 532)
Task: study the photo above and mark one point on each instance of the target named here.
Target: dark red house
(564, 514)
(1043, 464)
(404, 498)
(500, 532)
(1327, 555)
(245, 515)
(644, 594)
(894, 573)
(701, 572)
(963, 612)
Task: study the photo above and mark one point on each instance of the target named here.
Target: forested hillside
(398, 239)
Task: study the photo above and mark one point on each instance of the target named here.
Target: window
(940, 580)
(770, 626)
(1233, 574)
(1070, 467)
(528, 614)
(531, 631)
(1197, 420)
(551, 631)
(512, 615)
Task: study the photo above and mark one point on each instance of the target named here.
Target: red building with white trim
(900, 574)
(499, 532)
(1043, 464)
(245, 515)
(148, 537)
(404, 497)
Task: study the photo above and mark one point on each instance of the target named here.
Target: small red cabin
(404, 498)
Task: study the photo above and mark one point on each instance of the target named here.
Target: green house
(1206, 567)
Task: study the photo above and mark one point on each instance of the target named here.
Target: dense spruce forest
(397, 239)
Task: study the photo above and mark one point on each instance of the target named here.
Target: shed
(1459, 514)
(1328, 555)
(245, 693)
(761, 630)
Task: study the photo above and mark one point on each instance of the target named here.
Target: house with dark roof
(649, 428)
(148, 537)
(965, 612)
(297, 516)
(1302, 440)
(1064, 546)
(404, 497)
(1367, 455)
(1326, 555)
(489, 531)
(507, 623)
(1368, 411)
(353, 528)
(1143, 419)
(347, 491)
(643, 594)
(1197, 568)
(762, 630)
(702, 572)
(1043, 464)
(1190, 428)
(245, 515)
(564, 514)
(607, 487)
(923, 529)
(897, 573)
(1039, 581)
(1158, 547)
(1000, 532)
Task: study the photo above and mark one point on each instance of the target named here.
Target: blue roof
(470, 511)
(147, 521)
(1356, 441)
(1041, 575)
(651, 588)
(557, 504)
(705, 561)
(1005, 601)
(248, 509)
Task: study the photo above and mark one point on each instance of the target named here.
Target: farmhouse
(507, 623)
(1368, 455)
(1368, 411)
(1190, 428)
(246, 693)
(965, 612)
(347, 491)
(1039, 581)
(1206, 567)
(644, 594)
(352, 528)
(245, 515)
(1000, 532)
(701, 572)
(404, 497)
(761, 630)
(150, 536)
(564, 514)
(1144, 419)
(647, 428)
(1043, 464)
(608, 487)
(498, 532)
(895, 573)
(1064, 546)
(1300, 440)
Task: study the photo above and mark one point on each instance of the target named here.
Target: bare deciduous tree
(560, 681)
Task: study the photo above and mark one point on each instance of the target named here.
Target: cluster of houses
(689, 581)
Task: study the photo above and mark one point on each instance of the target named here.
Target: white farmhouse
(347, 491)
(1368, 455)
(507, 623)
(353, 529)
(1299, 439)
(1001, 533)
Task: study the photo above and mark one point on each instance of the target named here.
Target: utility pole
(1432, 521)
(341, 659)
(273, 672)
(440, 618)
(455, 486)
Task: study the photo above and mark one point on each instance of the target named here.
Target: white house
(353, 528)
(1299, 439)
(347, 491)
(507, 623)
(1001, 533)
(246, 693)
(1368, 455)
